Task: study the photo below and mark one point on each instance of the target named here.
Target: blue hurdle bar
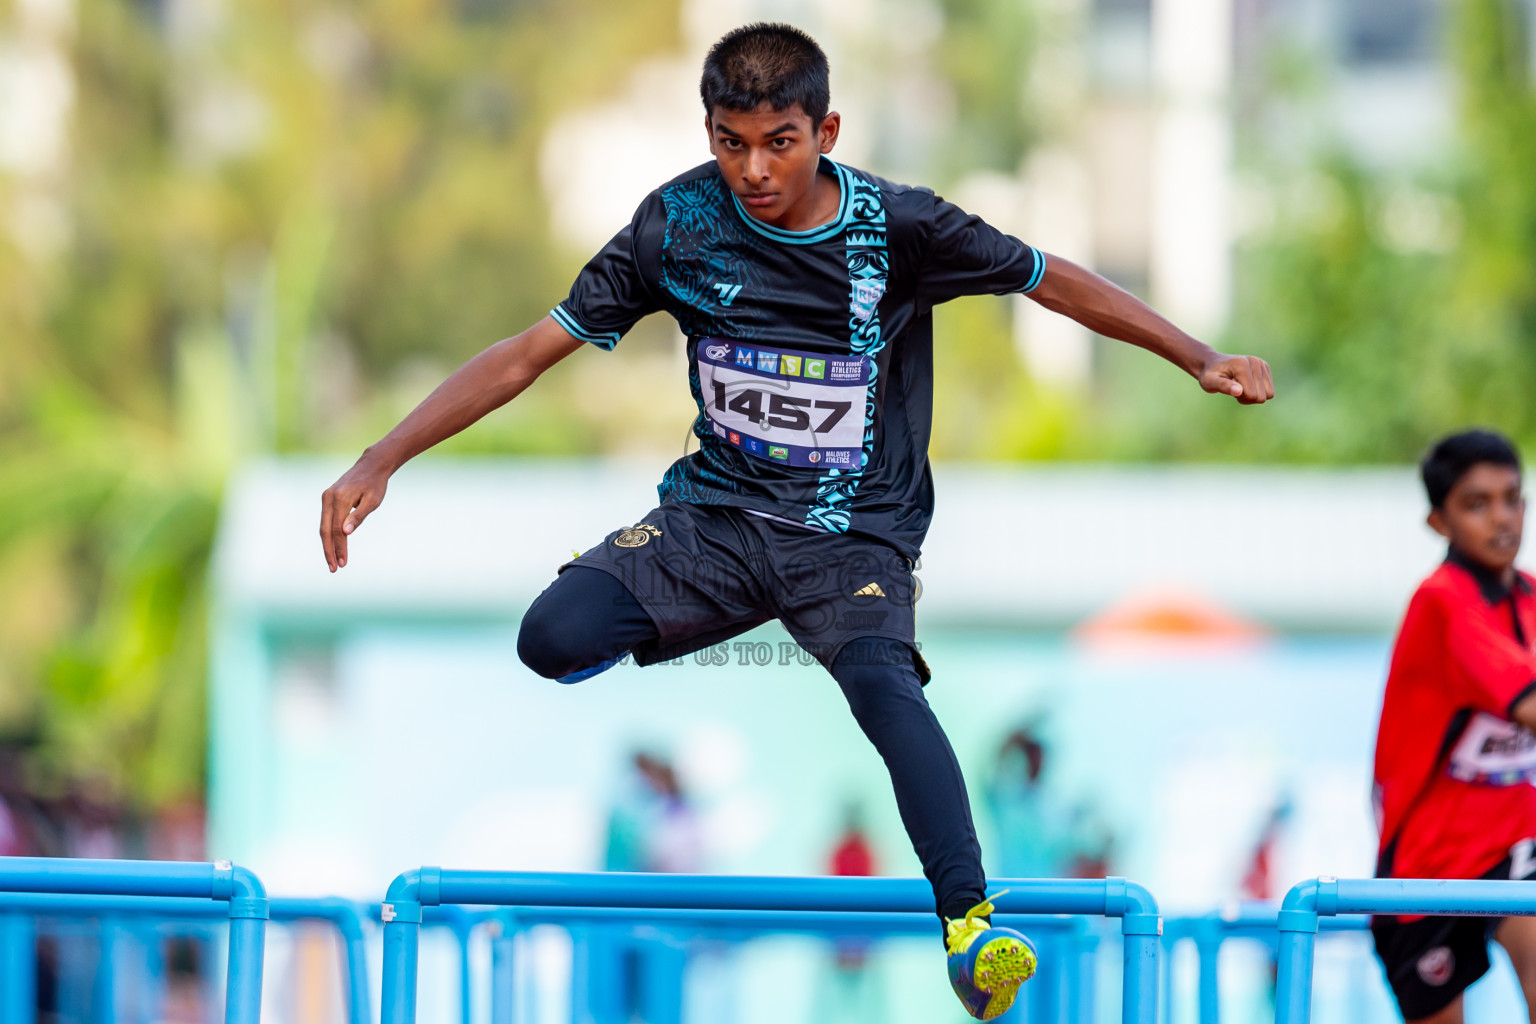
(1141, 923)
(1326, 897)
(1072, 999)
(343, 915)
(223, 881)
(1248, 920)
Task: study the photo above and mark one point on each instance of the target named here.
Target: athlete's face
(769, 159)
(1484, 516)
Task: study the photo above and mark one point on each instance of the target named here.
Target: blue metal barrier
(66, 880)
(1063, 992)
(346, 917)
(401, 911)
(1325, 897)
(1251, 920)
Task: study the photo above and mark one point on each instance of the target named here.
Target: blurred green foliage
(1393, 307)
(271, 208)
(286, 220)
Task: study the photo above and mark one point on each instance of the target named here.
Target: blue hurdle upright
(343, 915)
(1250, 920)
(1326, 897)
(1141, 923)
(61, 882)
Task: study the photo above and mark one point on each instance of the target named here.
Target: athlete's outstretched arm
(487, 382)
(1107, 309)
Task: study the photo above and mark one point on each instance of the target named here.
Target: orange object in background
(1168, 617)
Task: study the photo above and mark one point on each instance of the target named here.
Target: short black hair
(1451, 457)
(766, 62)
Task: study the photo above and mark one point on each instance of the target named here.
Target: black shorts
(1431, 961)
(706, 573)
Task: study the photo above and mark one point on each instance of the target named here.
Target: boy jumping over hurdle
(1455, 755)
(805, 289)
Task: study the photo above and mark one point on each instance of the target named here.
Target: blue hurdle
(65, 881)
(343, 915)
(1068, 966)
(1326, 896)
(1248, 920)
(1141, 923)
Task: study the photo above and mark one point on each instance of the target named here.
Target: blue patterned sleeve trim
(602, 341)
(1034, 279)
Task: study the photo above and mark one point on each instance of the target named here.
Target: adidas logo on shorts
(869, 590)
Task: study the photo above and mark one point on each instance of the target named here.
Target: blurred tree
(271, 208)
(1393, 308)
(985, 55)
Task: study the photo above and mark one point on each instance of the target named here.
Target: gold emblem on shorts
(637, 536)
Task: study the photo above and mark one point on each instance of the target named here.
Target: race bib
(1493, 752)
(794, 408)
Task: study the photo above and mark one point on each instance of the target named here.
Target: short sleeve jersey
(810, 353)
(1454, 773)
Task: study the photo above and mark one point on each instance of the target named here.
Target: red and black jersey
(1453, 772)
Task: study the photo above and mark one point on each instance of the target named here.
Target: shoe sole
(1002, 965)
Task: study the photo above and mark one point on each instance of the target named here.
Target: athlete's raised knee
(545, 648)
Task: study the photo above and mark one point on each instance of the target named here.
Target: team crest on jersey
(636, 536)
(1437, 966)
(865, 298)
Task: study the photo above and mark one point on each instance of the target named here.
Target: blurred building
(378, 719)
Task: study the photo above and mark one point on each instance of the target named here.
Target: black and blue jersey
(810, 353)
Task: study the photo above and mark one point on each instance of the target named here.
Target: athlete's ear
(827, 135)
(1436, 521)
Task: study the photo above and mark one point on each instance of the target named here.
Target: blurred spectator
(1092, 844)
(853, 854)
(24, 823)
(92, 821)
(1258, 880)
(1033, 835)
(179, 833)
(652, 827)
(855, 995)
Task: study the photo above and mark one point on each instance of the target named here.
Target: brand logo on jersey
(768, 362)
(727, 292)
(789, 366)
(719, 430)
(776, 452)
(866, 297)
(717, 351)
(744, 357)
(814, 456)
(816, 368)
(753, 445)
(1437, 966)
(735, 438)
(869, 590)
(636, 536)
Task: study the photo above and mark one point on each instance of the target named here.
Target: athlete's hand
(346, 503)
(1245, 378)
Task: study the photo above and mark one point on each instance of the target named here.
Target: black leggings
(587, 617)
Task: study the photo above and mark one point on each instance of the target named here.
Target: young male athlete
(805, 289)
(1455, 757)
